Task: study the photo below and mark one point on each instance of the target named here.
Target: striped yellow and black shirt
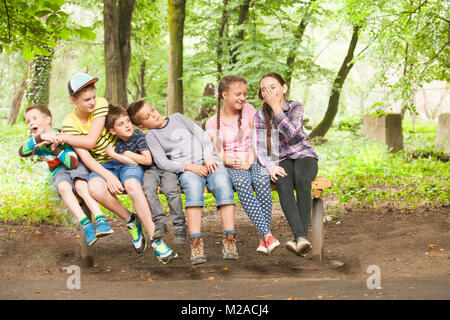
(72, 125)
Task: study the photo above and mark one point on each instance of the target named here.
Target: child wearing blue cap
(85, 130)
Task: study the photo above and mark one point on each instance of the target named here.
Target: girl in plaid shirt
(282, 147)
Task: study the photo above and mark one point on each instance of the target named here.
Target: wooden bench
(317, 234)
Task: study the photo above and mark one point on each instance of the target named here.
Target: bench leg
(86, 256)
(317, 230)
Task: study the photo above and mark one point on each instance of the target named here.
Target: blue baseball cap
(78, 81)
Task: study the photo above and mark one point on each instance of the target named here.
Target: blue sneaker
(137, 235)
(103, 228)
(89, 231)
(163, 252)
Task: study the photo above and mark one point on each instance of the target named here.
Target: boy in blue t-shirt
(131, 148)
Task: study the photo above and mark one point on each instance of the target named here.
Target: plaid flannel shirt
(288, 140)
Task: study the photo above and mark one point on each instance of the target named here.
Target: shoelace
(196, 247)
(229, 242)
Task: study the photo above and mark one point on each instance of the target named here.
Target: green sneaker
(163, 252)
(137, 235)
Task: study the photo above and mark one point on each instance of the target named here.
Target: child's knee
(64, 187)
(96, 187)
(81, 186)
(133, 187)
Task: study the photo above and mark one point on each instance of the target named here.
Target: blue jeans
(122, 171)
(218, 182)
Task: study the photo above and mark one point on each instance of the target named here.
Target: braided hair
(224, 85)
(267, 111)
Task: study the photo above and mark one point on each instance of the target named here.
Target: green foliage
(364, 174)
(33, 27)
(410, 45)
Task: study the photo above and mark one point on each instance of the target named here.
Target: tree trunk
(38, 83)
(222, 25)
(322, 128)
(17, 102)
(207, 109)
(243, 15)
(177, 13)
(298, 34)
(117, 25)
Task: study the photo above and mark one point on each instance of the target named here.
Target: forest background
(342, 58)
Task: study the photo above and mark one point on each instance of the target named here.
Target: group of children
(98, 155)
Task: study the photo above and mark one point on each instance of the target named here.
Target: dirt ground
(411, 244)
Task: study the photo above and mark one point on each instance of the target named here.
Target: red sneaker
(262, 247)
(271, 244)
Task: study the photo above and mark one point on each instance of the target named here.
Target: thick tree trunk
(17, 102)
(117, 25)
(298, 34)
(322, 128)
(177, 13)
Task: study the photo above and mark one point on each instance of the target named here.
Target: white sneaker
(291, 246)
(303, 246)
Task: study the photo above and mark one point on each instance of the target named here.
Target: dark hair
(41, 108)
(133, 109)
(266, 108)
(79, 92)
(114, 113)
(224, 85)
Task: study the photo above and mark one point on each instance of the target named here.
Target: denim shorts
(64, 174)
(218, 182)
(122, 171)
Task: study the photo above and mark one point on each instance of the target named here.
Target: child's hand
(197, 168)
(49, 136)
(274, 100)
(59, 138)
(114, 185)
(211, 164)
(110, 150)
(237, 164)
(276, 171)
(246, 166)
(43, 143)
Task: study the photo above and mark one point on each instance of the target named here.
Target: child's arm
(26, 150)
(144, 157)
(67, 156)
(113, 183)
(87, 141)
(117, 156)
(29, 147)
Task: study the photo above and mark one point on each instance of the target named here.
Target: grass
(363, 173)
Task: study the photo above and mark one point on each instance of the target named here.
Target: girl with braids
(282, 148)
(231, 132)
